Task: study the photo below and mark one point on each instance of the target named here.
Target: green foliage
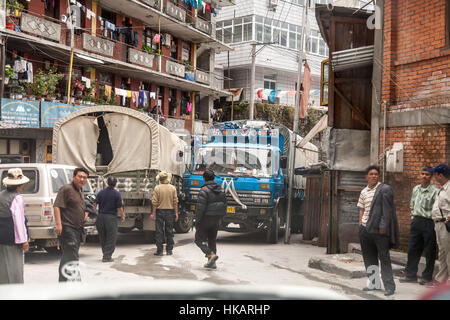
(45, 83)
(9, 72)
(188, 66)
(146, 48)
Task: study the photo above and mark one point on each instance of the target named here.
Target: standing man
(211, 207)
(13, 230)
(70, 215)
(165, 207)
(441, 217)
(378, 227)
(109, 201)
(422, 236)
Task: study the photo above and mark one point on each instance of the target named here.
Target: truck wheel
(184, 223)
(272, 231)
(149, 236)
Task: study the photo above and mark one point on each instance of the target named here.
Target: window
(316, 44)
(30, 187)
(270, 81)
(324, 79)
(58, 179)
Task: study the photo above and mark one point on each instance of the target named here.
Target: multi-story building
(153, 55)
(280, 24)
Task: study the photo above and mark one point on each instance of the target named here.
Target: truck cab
(248, 165)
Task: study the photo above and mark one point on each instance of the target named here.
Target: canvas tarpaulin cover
(138, 142)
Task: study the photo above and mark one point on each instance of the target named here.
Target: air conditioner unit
(273, 4)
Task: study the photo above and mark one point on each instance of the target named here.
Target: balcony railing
(98, 45)
(202, 77)
(40, 27)
(141, 58)
(203, 25)
(176, 12)
(175, 69)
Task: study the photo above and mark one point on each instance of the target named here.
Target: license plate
(231, 210)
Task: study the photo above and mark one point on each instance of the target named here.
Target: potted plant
(15, 7)
(9, 73)
(189, 71)
(44, 84)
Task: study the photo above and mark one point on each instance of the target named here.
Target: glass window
(267, 34)
(237, 33)
(227, 34)
(259, 19)
(248, 32)
(283, 40)
(228, 23)
(276, 36)
(259, 32)
(292, 40)
(29, 188)
(219, 34)
(58, 179)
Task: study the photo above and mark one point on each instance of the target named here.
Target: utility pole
(301, 52)
(252, 82)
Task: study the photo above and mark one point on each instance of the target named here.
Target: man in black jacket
(211, 207)
(378, 228)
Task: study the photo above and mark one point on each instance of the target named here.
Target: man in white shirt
(441, 217)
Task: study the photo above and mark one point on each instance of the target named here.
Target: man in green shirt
(422, 235)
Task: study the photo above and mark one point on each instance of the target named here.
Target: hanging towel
(152, 95)
(135, 96)
(108, 91)
(128, 94)
(141, 99)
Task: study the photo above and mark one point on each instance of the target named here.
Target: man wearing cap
(441, 216)
(165, 209)
(422, 236)
(70, 215)
(13, 231)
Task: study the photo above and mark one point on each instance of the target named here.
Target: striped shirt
(422, 201)
(365, 202)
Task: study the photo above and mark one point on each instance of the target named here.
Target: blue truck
(250, 161)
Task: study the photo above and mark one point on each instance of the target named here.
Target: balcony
(203, 26)
(98, 45)
(175, 69)
(176, 12)
(140, 58)
(40, 27)
(202, 77)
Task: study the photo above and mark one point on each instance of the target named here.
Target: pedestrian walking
(70, 215)
(441, 217)
(13, 231)
(165, 211)
(422, 237)
(109, 201)
(378, 228)
(211, 207)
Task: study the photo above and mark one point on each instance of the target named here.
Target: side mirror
(283, 162)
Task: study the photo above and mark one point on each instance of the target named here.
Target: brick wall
(416, 75)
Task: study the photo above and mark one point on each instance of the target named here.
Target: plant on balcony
(9, 73)
(15, 7)
(146, 48)
(188, 66)
(45, 83)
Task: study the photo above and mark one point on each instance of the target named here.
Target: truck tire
(149, 236)
(272, 231)
(184, 223)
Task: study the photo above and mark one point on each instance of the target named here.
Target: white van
(39, 195)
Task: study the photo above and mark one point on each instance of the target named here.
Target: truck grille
(246, 197)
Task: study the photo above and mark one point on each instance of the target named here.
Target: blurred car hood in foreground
(163, 290)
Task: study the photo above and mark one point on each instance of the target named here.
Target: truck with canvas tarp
(126, 144)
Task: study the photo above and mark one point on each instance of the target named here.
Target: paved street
(244, 259)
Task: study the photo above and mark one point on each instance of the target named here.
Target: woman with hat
(165, 206)
(13, 231)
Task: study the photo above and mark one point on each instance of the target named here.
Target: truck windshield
(235, 161)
